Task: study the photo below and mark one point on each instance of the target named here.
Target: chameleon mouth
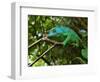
(50, 35)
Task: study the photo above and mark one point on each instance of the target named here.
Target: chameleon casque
(65, 35)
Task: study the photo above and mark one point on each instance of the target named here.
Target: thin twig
(42, 55)
(45, 39)
(34, 43)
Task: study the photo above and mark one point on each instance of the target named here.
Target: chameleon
(67, 36)
(64, 34)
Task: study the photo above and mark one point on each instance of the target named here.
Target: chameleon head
(54, 31)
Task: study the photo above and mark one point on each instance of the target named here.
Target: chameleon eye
(54, 30)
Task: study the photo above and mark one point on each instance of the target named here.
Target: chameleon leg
(76, 44)
(66, 41)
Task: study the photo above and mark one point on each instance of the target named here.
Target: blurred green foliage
(38, 25)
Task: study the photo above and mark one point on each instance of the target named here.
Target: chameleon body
(64, 34)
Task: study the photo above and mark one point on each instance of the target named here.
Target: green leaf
(84, 53)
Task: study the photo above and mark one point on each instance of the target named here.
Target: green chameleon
(65, 35)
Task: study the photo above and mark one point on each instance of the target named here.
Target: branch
(52, 41)
(45, 39)
(44, 59)
(42, 55)
(34, 43)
